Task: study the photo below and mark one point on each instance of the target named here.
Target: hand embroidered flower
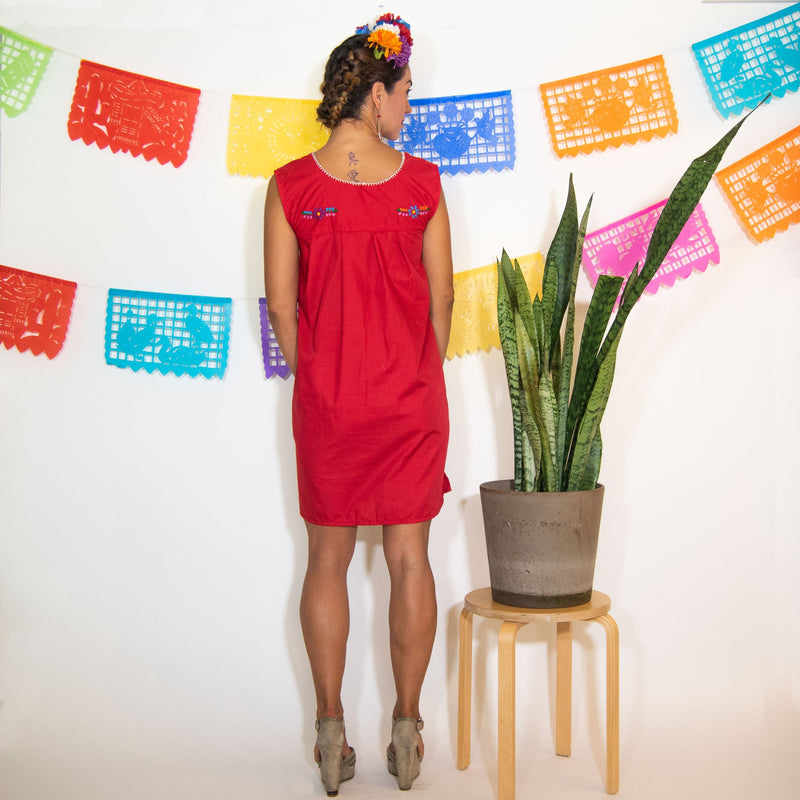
(319, 212)
(413, 211)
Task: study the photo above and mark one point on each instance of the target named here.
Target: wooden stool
(480, 602)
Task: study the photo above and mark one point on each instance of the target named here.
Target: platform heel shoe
(333, 766)
(404, 760)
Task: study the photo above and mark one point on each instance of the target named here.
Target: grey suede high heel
(402, 757)
(333, 766)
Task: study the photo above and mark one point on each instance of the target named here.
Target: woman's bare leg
(325, 613)
(412, 612)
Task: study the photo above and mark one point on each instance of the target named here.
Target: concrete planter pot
(541, 545)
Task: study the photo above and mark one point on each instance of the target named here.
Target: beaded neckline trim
(361, 183)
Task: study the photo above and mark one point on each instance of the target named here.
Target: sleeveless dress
(369, 410)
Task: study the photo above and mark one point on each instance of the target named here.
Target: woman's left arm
(281, 268)
(437, 257)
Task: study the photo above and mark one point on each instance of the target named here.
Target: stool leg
(464, 688)
(506, 722)
(612, 702)
(564, 689)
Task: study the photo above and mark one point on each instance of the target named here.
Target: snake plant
(557, 443)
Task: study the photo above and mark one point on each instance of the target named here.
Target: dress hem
(412, 521)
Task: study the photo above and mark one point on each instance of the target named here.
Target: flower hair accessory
(390, 38)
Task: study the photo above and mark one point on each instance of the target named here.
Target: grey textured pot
(541, 545)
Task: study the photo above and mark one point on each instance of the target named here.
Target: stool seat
(480, 602)
(513, 618)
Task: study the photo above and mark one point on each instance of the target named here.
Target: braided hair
(351, 71)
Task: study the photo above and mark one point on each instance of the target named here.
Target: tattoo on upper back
(352, 160)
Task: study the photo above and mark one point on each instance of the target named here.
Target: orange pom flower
(387, 40)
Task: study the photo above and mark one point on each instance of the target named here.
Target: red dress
(369, 410)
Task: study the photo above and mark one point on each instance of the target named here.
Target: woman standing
(359, 286)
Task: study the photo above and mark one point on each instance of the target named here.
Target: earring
(380, 138)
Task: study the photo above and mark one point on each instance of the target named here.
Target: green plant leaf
(505, 267)
(558, 269)
(524, 309)
(548, 405)
(679, 207)
(541, 334)
(508, 343)
(539, 405)
(555, 368)
(682, 202)
(531, 454)
(592, 470)
(563, 388)
(630, 282)
(585, 452)
(594, 327)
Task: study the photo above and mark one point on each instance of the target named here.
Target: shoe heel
(330, 740)
(407, 763)
(404, 762)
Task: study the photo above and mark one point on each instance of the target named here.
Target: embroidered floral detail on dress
(320, 212)
(414, 211)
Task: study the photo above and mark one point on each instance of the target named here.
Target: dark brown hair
(349, 74)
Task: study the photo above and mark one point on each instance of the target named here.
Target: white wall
(151, 554)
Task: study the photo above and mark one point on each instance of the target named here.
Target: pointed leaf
(630, 282)
(548, 406)
(680, 205)
(563, 386)
(682, 202)
(508, 343)
(506, 267)
(535, 400)
(531, 454)
(541, 342)
(524, 309)
(594, 327)
(559, 266)
(591, 472)
(590, 423)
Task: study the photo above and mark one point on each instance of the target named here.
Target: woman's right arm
(281, 269)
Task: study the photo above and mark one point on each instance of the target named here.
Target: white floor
(699, 759)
